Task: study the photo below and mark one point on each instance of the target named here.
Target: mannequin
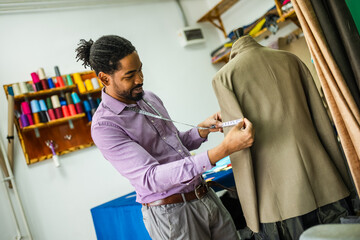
(295, 174)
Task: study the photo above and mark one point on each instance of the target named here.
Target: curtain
(334, 39)
(340, 101)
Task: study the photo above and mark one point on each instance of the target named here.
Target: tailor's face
(126, 83)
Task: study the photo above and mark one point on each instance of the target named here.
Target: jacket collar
(242, 44)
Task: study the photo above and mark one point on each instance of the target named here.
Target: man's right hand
(239, 137)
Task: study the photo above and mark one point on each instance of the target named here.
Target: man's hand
(214, 120)
(239, 137)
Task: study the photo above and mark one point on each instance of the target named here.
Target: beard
(130, 95)
(137, 96)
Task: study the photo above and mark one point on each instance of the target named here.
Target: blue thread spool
(51, 83)
(87, 110)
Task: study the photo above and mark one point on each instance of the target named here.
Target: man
(152, 153)
(295, 175)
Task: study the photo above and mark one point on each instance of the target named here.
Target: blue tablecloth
(121, 218)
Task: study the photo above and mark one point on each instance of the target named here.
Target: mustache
(137, 86)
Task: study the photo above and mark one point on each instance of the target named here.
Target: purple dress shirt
(150, 152)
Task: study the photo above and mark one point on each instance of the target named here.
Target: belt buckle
(197, 188)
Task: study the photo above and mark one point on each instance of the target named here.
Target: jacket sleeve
(325, 129)
(241, 161)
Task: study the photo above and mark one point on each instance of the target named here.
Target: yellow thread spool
(88, 85)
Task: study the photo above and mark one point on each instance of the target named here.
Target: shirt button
(179, 150)
(164, 138)
(152, 121)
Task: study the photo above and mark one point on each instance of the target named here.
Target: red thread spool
(51, 114)
(65, 111)
(72, 109)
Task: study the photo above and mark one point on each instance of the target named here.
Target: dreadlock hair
(104, 54)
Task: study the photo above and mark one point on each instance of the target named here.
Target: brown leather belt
(199, 192)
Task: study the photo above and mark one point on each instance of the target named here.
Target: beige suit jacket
(295, 164)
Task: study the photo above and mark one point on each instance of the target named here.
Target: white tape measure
(231, 123)
(224, 124)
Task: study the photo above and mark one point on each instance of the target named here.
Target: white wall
(57, 202)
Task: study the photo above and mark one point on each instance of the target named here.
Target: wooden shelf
(215, 13)
(53, 122)
(224, 5)
(45, 92)
(91, 91)
(69, 133)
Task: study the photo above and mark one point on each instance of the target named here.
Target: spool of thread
(57, 107)
(35, 108)
(50, 83)
(88, 85)
(81, 87)
(55, 101)
(77, 77)
(79, 108)
(77, 102)
(49, 103)
(100, 83)
(44, 111)
(87, 110)
(51, 111)
(43, 80)
(95, 83)
(69, 80)
(23, 87)
(75, 98)
(34, 87)
(24, 121)
(16, 89)
(65, 81)
(65, 111)
(25, 107)
(59, 79)
(92, 104)
(41, 73)
(29, 87)
(70, 104)
(44, 84)
(36, 81)
(62, 101)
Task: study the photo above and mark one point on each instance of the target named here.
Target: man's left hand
(214, 120)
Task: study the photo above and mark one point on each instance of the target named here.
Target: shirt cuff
(194, 132)
(202, 162)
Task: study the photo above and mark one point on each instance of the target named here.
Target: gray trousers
(202, 219)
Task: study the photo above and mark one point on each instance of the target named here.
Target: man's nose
(139, 77)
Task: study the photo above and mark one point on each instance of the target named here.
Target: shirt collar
(113, 104)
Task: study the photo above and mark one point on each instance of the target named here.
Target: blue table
(121, 218)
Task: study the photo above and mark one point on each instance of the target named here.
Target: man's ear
(104, 78)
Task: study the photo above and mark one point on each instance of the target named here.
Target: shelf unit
(69, 134)
(215, 14)
(214, 17)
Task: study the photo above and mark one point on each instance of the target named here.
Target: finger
(247, 123)
(218, 116)
(241, 124)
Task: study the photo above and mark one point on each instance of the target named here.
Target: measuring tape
(137, 110)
